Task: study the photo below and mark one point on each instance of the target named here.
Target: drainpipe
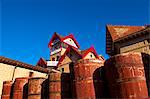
(13, 73)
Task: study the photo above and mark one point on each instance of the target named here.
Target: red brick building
(83, 74)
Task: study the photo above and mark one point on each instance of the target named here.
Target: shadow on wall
(100, 84)
(146, 62)
(72, 78)
(66, 89)
(25, 91)
(45, 89)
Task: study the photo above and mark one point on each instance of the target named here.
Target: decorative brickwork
(35, 88)
(122, 76)
(126, 76)
(20, 88)
(7, 89)
(84, 82)
(55, 85)
(82, 74)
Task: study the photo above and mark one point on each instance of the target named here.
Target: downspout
(13, 73)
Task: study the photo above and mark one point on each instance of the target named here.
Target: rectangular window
(30, 74)
(62, 69)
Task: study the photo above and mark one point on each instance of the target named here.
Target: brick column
(35, 88)
(126, 76)
(55, 85)
(85, 80)
(18, 88)
(6, 91)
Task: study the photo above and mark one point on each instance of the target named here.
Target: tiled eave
(133, 35)
(22, 65)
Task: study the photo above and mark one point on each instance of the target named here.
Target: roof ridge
(126, 25)
(21, 64)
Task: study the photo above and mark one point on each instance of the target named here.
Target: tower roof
(62, 38)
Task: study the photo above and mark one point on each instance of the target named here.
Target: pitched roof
(119, 31)
(86, 51)
(21, 64)
(42, 62)
(81, 53)
(101, 57)
(55, 35)
(61, 38)
(67, 51)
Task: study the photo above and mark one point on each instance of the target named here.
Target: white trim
(55, 51)
(70, 42)
(52, 63)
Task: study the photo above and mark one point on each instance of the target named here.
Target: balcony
(52, 63)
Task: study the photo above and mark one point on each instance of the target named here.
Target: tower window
(53, 59)
(91, 55)
(57, 58)
(62, 69)
(70, 54)
(30, 74)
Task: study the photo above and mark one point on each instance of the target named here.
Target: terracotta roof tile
(119, 31)
(21, 64)
(42, 62)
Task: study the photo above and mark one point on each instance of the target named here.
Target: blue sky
(26, 26)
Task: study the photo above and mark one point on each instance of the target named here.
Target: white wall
(7, 71)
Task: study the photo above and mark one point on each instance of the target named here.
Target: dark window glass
(91, 56)
(62, 69)
(30, 74)
(57, 58)
(53, 59)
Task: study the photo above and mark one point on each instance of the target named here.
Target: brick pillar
(6, 91)
(55, 85)
(126, 77)
(35, 88)
(84, 79)
(18, 88)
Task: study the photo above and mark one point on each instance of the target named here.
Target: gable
(66, 60)
(42, 63)
(74, 56)
(90, 55)
(55, 38)
(70, 42)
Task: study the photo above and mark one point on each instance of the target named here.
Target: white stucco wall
(88, 56)
(70, 42)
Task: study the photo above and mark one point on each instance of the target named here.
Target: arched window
(91, 55)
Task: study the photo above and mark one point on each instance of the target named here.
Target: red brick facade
(122, 76)
(126, 76)
(7, 88)
(35, 88)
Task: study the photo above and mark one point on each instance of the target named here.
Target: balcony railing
(52, 63)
